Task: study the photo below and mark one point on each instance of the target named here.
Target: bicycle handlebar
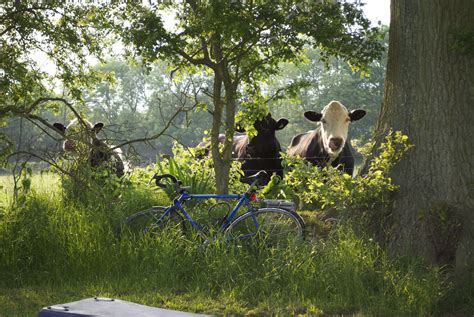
(158, 179)
(177, 183)
(255, 178)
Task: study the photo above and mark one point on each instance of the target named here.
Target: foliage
(67, 242)
(197, 173)
(333, 80)
(22, 175)
(241, 44)
(329, 188)
(56, 29)
(52, 31)
(138, 102)
(240, 30)
(65, 248)
(80, 181)
(255, 104)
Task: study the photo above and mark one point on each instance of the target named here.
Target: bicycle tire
(143, 222)
(276, 226)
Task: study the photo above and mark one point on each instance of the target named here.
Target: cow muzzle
(69, 145)
(335, 144)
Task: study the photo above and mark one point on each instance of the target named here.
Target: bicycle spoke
(271, 225)
(152, 221)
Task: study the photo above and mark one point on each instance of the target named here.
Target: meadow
(55, 250)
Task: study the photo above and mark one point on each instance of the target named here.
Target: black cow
(328, 144)
(100, 153)
(261, 152)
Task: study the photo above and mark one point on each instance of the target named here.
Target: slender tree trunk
(429, 95)
(222, 160)
(222, 173)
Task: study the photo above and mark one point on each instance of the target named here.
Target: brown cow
(100, 152)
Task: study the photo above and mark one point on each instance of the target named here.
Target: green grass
(55, 250)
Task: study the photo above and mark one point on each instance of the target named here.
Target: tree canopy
(239, 44)
(49, 30)
(242, 43)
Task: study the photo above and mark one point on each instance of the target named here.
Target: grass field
(55, 250)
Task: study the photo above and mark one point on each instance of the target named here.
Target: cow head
(334, 121)
(266, 126)
(76, 131)
(265, 137)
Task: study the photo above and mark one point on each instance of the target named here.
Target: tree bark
(429, 95)
(222, 160)
(220, 168)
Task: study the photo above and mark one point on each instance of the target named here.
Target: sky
(377, 10)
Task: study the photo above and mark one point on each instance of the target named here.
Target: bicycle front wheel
(274, 226)
(154, 221)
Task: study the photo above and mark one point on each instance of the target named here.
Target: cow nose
(69, 145)
(335, 143)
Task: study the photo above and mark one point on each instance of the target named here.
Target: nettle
(197, 173)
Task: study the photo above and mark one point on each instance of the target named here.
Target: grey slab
(107, 307)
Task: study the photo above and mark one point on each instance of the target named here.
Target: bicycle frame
(243, 199)
(266, 219)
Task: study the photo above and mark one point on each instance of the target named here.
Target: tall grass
(57, 243)
(62, 238)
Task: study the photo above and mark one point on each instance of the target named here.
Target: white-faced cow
(261, 152)
(328, 143)
(79, 135)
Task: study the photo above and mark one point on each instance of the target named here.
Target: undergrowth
(57, 247)
(47, 242)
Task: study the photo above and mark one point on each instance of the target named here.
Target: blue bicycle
(275, 221)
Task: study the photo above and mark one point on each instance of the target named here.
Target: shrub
(330, 189)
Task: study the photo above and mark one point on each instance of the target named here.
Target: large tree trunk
(429, 95)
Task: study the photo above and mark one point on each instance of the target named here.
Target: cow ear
(97, 127)
(281, 124)
(357, 114)
(313, 116)
(60, 127)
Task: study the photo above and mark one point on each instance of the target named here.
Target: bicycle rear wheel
(273, 226)
(151, 221)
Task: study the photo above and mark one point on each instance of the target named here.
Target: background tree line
(133, 102)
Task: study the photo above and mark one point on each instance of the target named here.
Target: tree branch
(32, 119)
(153, 137)
(194, 61)
(50, 162)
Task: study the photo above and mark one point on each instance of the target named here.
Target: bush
(330, 189)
